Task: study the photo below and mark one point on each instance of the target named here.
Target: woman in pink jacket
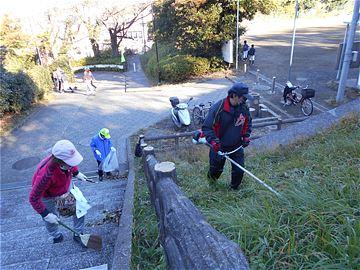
(51, 180)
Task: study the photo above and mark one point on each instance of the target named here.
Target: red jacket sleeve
(38, 190)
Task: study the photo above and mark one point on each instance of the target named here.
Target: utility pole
(237, 35)
(143, 33)
(348, 53)
(342, 52)
(293, 37)
(156, 46)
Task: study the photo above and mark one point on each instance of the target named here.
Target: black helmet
(240, 89)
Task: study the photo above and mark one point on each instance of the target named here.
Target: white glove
(81, 176)
(98, 152)
(51, 218)
(113, 148)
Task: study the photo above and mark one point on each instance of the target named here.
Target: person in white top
(88, 78)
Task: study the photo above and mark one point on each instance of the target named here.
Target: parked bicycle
(292, 98)
(200, 112)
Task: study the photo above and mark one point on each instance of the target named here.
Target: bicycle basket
(307, 93)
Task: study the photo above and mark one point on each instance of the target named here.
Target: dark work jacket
(227, 123)
(251, 51)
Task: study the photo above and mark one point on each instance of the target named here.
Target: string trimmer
(198, 140)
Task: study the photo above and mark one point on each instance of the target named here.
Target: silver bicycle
(200, 112)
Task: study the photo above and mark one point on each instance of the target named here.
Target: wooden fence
(189, 241)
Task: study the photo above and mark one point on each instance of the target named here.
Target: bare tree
(118, 19)
(63, 27)
(88, 13)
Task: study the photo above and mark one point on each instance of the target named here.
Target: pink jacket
(49, 180)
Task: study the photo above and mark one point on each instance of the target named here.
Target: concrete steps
(25, 243)
(12, 255)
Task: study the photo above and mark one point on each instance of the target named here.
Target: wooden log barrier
(189, 241)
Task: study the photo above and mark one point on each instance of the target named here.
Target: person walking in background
(228, 127)
(59, 75)
(251, 54)
(101, 146)
(88, 78)
(245, 50)
(57, 79)
(51, 181)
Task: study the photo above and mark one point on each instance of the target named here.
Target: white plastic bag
(82, 204)
(110, 163)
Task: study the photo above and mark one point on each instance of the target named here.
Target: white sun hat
(66, 151)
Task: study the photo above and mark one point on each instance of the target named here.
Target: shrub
(181, 67)
(216, 64)
(42, 79)
(175, 67)
(63, 63)
(17, 63)
(17, 91)
(105, 57)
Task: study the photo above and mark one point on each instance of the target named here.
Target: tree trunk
(95, 47)
(114, 44)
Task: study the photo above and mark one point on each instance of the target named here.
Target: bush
(17, 63)
(181, 67)
(104, 58)
(175, 67)
(17, 92)
(216, 64)
(63, 63)
(42, 79)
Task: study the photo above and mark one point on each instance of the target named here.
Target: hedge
(104, 58)
(178, 68)
(42, 78)
(17, 92)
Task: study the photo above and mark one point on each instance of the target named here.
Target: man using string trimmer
(227, 128)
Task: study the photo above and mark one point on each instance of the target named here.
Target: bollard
(252, 112)
(141, 139)
(125, 82)
(244, 67)
(134, 65)
(273, 86)
(258, 75)
(255, 103)
(279, 123)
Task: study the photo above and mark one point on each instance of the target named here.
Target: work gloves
(198, 137)
(245, 142)
(52, 218)
(81, 176)
(98, 152)
(215, 145)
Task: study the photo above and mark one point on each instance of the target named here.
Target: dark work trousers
(60, 86)
(217, 165)
(100, 172)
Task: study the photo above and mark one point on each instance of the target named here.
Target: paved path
(78, 117)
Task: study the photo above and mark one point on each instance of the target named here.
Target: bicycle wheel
(197, 116)
(307, 106)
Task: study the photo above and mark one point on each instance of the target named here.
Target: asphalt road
(314, 58)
